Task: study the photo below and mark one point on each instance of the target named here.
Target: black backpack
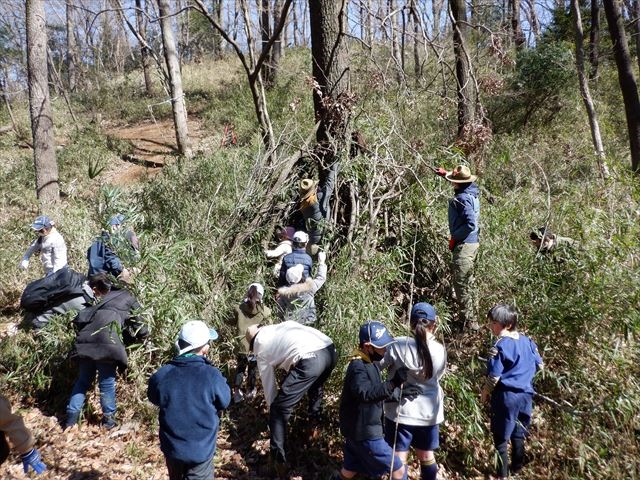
(45, 293)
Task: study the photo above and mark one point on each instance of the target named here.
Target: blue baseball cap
(117, 219)
(42, 222)
(376, 334)
(423, 310)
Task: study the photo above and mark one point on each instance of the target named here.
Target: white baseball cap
(259, 288)
(294, 274)
(300, 237)
(196, 334)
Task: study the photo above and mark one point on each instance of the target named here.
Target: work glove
(24, 264)
(33, 459)
(322, 256)
(452, 244)
(441, 172)
(400, 376)
(408, 392)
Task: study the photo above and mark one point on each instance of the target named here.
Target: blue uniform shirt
(514, 360)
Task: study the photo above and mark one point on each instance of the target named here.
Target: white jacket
(285, 247)
(53, 251)
(281, 346)
(427, 408)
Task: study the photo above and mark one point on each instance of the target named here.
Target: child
(299, 255)
(190, 392)
(513, 362)
(417, 419)
(50, 245)
(12, 426)
(285, 247)
(365, 450)
(100, 348)
(296, 300)
(250, 312)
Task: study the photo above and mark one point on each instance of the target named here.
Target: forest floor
(131, 450)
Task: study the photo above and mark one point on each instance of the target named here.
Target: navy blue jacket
(515, 362)
(361, 401)
(101, 257)
(190, 392)
(464, 214)
(297, 256)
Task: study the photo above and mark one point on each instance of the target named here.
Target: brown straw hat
(306, 188)
(461, 174)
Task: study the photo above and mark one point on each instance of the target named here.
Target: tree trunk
(393, 33)
(516, 27)
(276, 48)
(175, 78)
(625, 77)
(594, 39)
(72, 48)
(437, 6)
(584, 90)
(636, 28)
(417, 66)
(44, 154)
(217, 38)
(331, 99)
(467, 93)
(144, 50)
(268, 74)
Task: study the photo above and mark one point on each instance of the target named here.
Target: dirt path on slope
(154, 145)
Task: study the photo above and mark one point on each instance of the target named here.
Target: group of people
(381, 420)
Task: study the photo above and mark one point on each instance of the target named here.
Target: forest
(198, 120)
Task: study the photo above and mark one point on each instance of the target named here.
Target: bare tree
(175, 77)
(332, 99)
(141, 22)
(44, 154)
(516, 27)
(467, 91)
(584, 90)
(627, 81)
(594, 39)
(72, 49)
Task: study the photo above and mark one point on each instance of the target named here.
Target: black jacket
(101, 328)
(361, 402)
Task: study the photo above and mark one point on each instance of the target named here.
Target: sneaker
(251, 394)
(109, 422)
(238, 396)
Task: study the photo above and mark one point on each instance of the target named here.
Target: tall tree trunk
(516, 27)
(217, 38)
(636, 28)
(144, 50)
(584, 90)
(415, 19)
(265, 34)
(625, 77)
(393, 33)
(276, 49)
(437, 6)
(594, 39)
(467, 93)
(72, 48)
(331, 99)
(44, 153)
(175, 77)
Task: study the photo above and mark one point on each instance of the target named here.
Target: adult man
(464, 229)
(308, 356)
(50, 245)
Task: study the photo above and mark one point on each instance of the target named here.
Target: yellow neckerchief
(359, 354)
(308, 201)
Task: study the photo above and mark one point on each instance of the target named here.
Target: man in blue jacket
(464, 231)
(190, 392)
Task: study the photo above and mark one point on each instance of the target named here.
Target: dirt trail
(154, 144)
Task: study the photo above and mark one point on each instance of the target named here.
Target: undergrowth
(581, 307)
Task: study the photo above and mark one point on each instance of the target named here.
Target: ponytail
(420, 327)
(253, 297)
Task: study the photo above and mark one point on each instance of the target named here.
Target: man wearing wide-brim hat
(464, 232)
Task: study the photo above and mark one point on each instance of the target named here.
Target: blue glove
(33, 459)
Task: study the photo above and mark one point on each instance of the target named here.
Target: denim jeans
(307, 376)
(106, 382)
(183, 471)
